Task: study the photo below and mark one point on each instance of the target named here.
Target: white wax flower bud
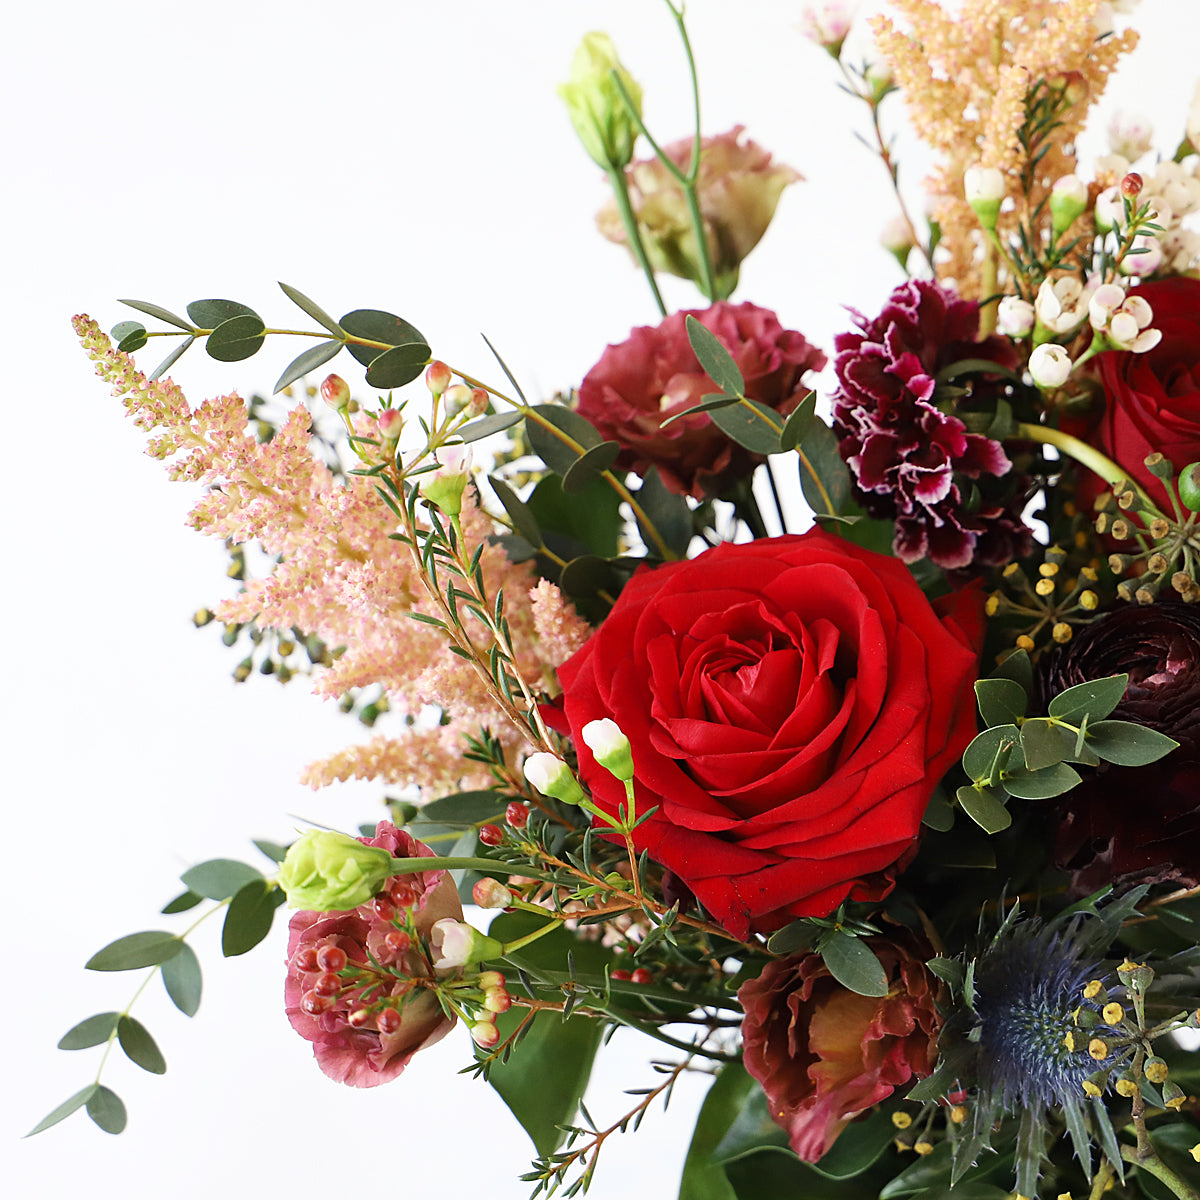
(1068, 200)
(1110, 209)
(1050, 365)
(1130, 135)
(895, 235)
(610, 746)
(1144, 258)
(985, 190)
(552, 777)
(1014, 317)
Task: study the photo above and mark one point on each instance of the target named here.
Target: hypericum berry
(327, 984)
(1189, 486)
(402, 893)
(331, 958)
(437, 377)
(621, 974)
(388, 1021)
(359, 1018)
(641, 975)
(306, 959)
(314, 1005)
(396, 941)
(491, 835)
(517, 815)
(383, 908)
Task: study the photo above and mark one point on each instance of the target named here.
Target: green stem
(1081, 452)
(521, 942)
(1156, 1167)
(410, 866)
(616, 177)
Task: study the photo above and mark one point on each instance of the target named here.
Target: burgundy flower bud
(1131, 185)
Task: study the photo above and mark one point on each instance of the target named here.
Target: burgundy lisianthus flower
(641, 382)
(823, 1053)
(909, 460)
(1128, 825)
(370, 1050)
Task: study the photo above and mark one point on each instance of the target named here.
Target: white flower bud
(552, 777)
(610, 747)
(1110, 209)
(1068, 200)
(985, 190)
(1050, 365)
(1014, 317)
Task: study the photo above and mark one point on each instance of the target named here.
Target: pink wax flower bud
(478, 403)
(437, 377)
(390, 422)
(1144, 258)
(457, 397)
(1068, 200)
(491, 893)
(455, 944)
(485, 1034)
(1129, 135)
(827, 24)
(1110, 211)
(1131, 185)
(497, 1000)
(610, 747)
(1015, 317)
(335, 391)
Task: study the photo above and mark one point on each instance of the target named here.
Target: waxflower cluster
(851, 760)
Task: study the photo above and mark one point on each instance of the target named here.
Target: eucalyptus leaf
(984, 808)
(524, 522)
(89, 1032)
(1043, 784)
(273, 850)
(1019, 668)
(824, 477)
(375, 325)
(129, 336)
(236, 338)
(183, 980)
(208, 314)
(313, 309)
(219, 878)
(853, 963)
(135, 950)
(559, 436)
(750, 424)
(106, 1108)
(139, 1046)
(591, 517)
(1001, 701)
(1128, 744)
(708, 403)
(988, 748)
(398, 366)
(66, 1108)
(309, 360)
(590, 466)
(587, 575)
(486, 426)
(184, 901)
(796, 427)
(939, 814)
(1095, 698)
(248, 918)
(155, 310)
(1045, 743)
(171, 359)
(716, 362)
(667, 512)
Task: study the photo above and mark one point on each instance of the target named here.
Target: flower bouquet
(796, 734)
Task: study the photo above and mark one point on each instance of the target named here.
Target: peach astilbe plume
(338, 574)
(966, 77)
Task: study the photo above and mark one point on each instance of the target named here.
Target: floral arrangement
(840, 815)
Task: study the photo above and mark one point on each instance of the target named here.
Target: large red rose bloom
(791, 703)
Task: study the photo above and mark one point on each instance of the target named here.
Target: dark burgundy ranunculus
(823, 1053)
(1129, 825)
(640, 382)
(791, 704)
(911, 461)
(1152, 400)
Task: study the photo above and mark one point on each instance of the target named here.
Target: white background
(404, 156)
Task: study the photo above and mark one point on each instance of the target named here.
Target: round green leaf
(551, 444)
(105, 1107)
(1096, 699)
(219, 878)
(1041, 785)
(853, 964)
(1127, 743)
(397, 366)
(799, 423)
(129, 336)
(236, 338)
(377, 326)
(824, 476)
(1044, 743)
(89, 1032)
(139, 1046)
(586, 468)
(249, 918)
(135, 950)
(183, 980)
(984, 808)
(208, 314)
(980, 756)
(1001, 701)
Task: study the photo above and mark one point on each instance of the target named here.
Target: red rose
(1153, 399)
(791, 703)
(638, 384)
(823, 1053)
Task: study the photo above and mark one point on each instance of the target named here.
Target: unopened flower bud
(1068, 200)
(490, 979)
(437, 377)
(335, 391)
(1129, 135)
(985, 189)
(610, 747)
(491, 893)
(594, 103)
(1189, 486)
(1014, 317)
(1174, 1096)
(326, 871)
(1110, 212)
(1050, 366)
(478, 404)
(455, 944)
(1144, 257)
(457, 397)
(552, 777)
(827, 25)
(390, 422)
(1131, 186)
(497, 1000)
(485, 1034)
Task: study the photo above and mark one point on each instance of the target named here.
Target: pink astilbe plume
(339, 573)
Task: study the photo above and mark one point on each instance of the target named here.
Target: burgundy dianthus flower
(372, 1048)
(1127, 825)
(640, 383)
(907, 457)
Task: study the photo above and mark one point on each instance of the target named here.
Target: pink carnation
(360, 1054)
(641, 382)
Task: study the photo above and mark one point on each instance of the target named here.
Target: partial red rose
(364, 1055)
(639, 383)
(823, 1054)
(791, 704)
(1152, 400)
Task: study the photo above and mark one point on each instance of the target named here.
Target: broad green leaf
(799, 935)
(309, 360)
(929, 1176)
(1128, 744)
(486, 426)
(751, 1130)
(984, 808)
(667, 512)
(154, 310)
(703, 1177)
(106, 1108)
(139, 1046)
(135, 950)
(183, 980)
(219, 878)
(565, 425)
(398, 366)
(1044, 743)
(591, 517)
(65, 1109)
(543, 1099)
(181, 903)
(752, 425)
(853, 963)
(274, 850)
(208, 314)
(716, 362)
(248, 919)
(589, 466)
(89, 1032)
(236, 338)
(939, 814)
(587, 575)
(129, 336)
(989, 751)
(377, 326)
(314, 310)
(796, 427)
(171, 359)
(1017, 667)
(1001, 701)
(1096, 698)
(824, 477)
(859, 1145)
(524, 522)
(1041, 785)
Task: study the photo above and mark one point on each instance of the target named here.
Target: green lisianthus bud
(327, 871)
(603, 123)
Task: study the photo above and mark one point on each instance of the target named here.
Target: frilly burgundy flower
(639, 383)
(1128, 825)
(364, 1056)
(824, 1053)
(908, 458)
